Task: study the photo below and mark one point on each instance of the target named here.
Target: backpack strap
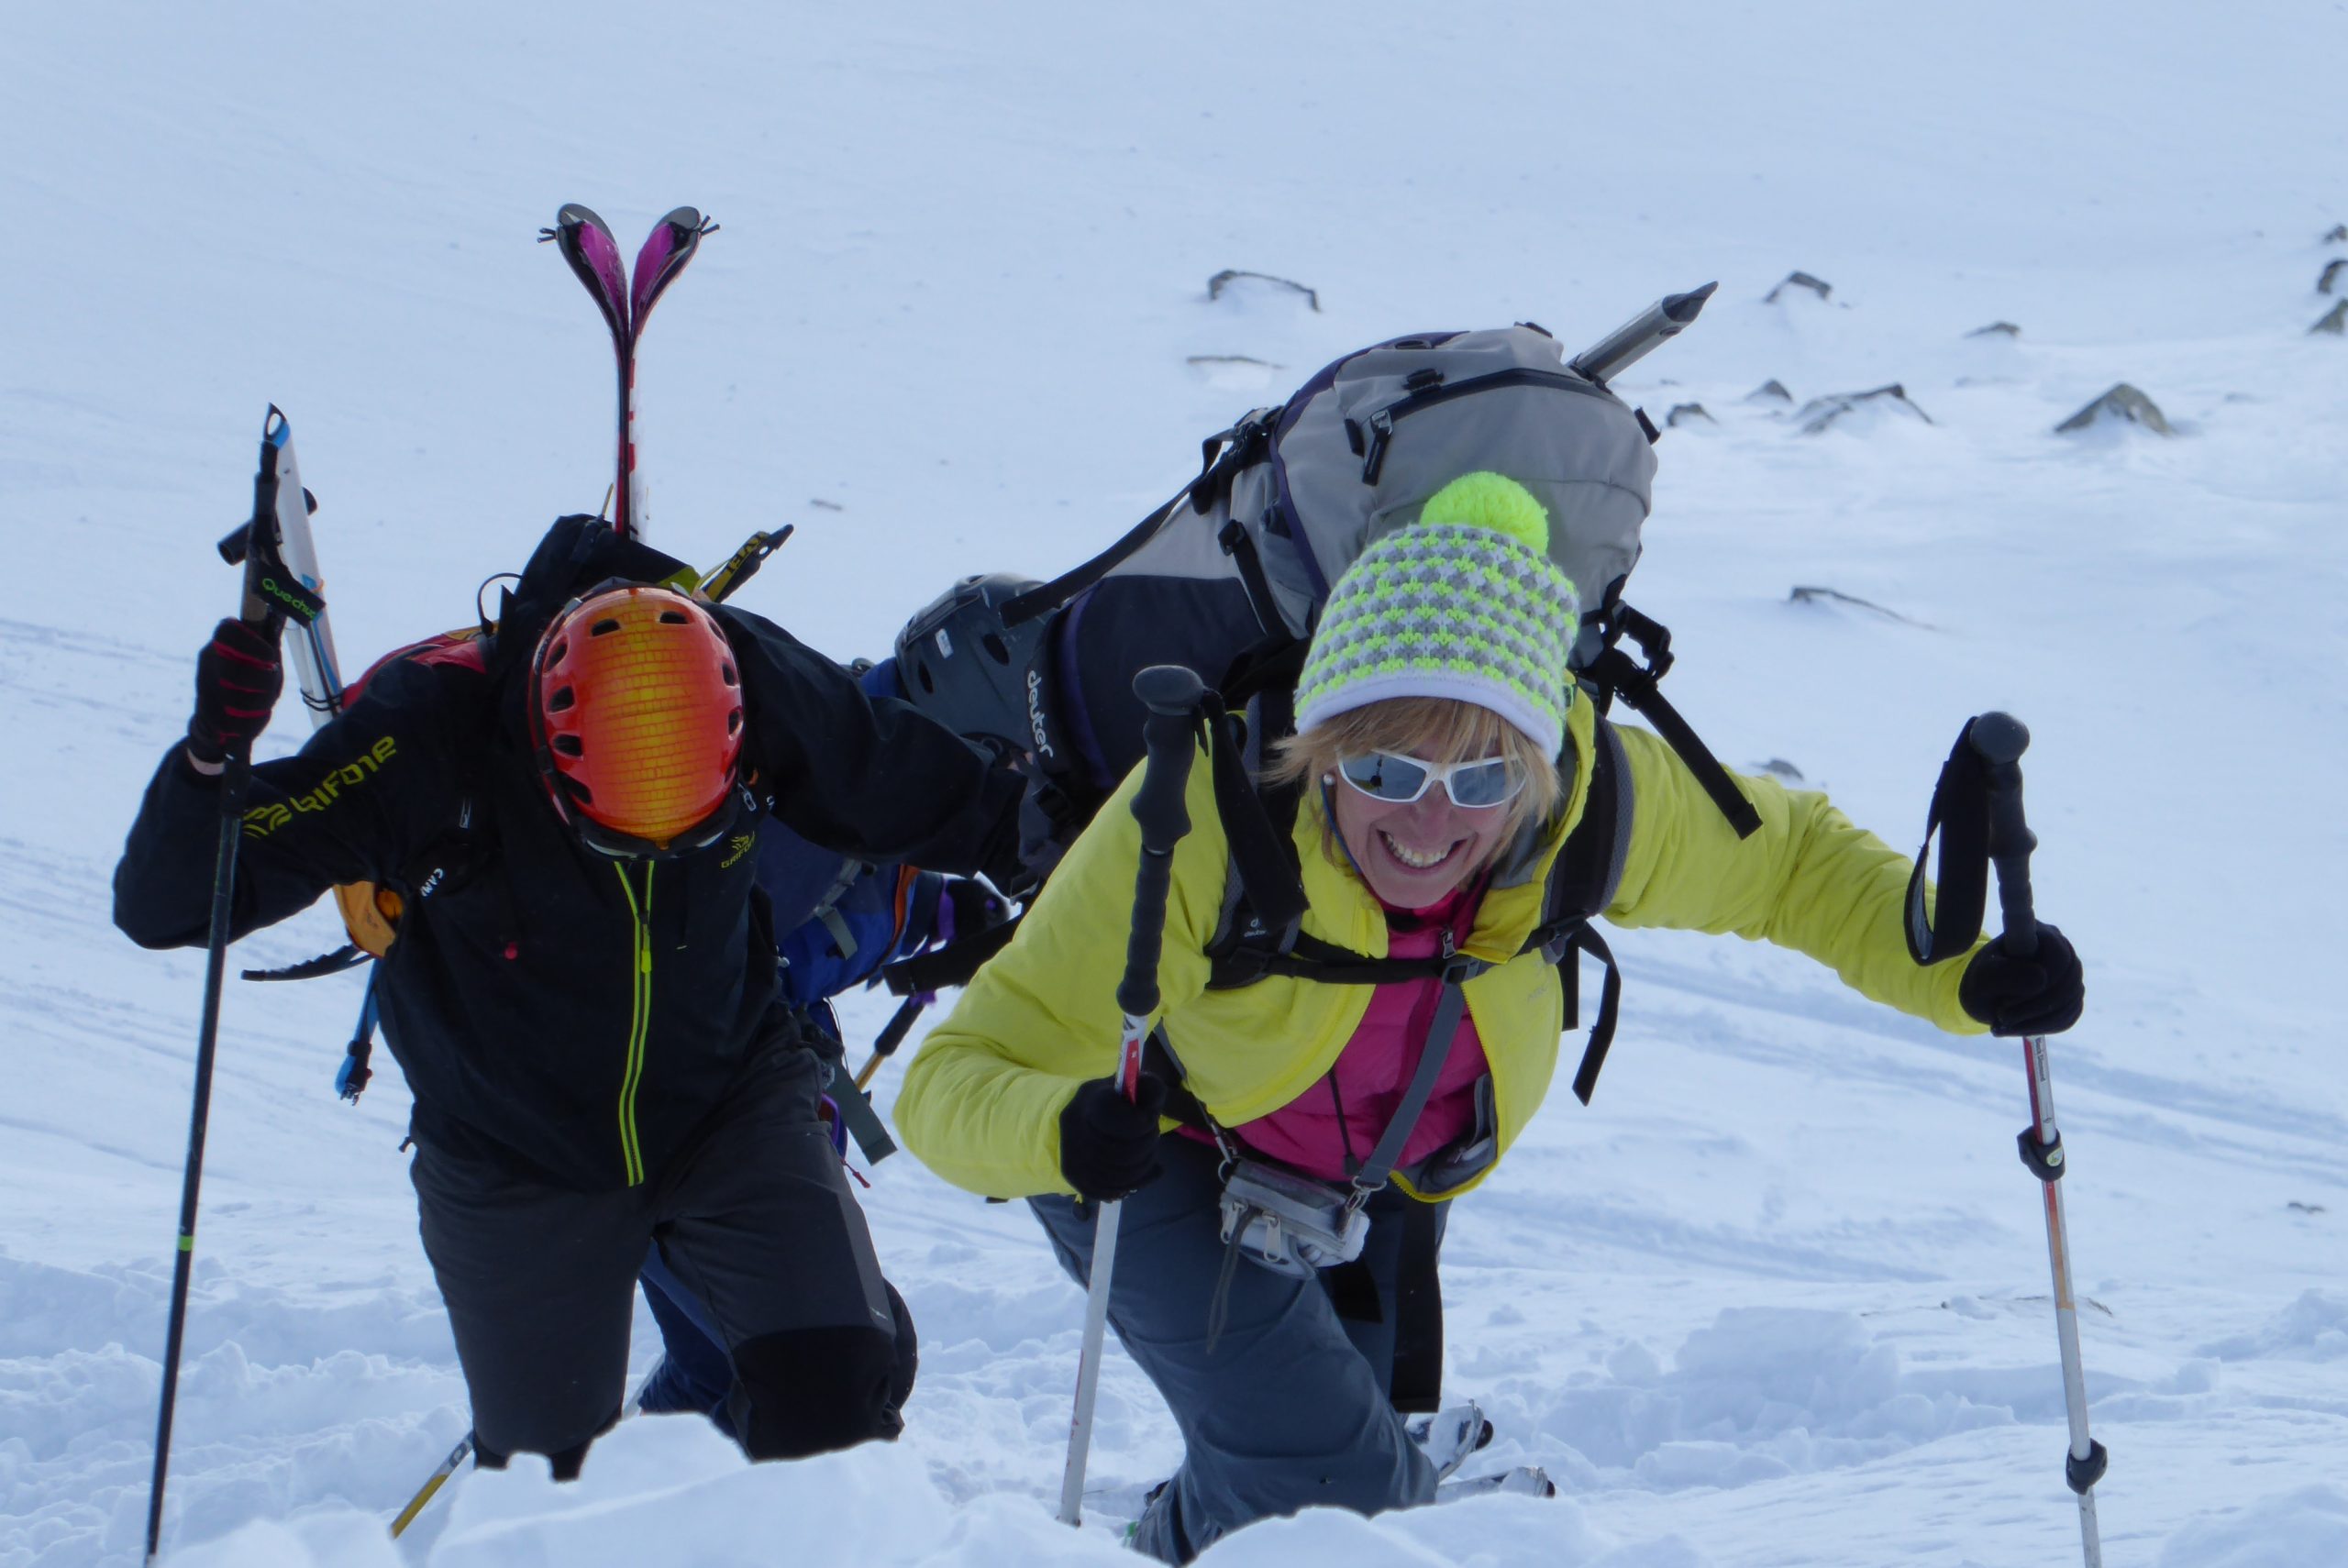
(827, 908)
(1616, 673)
(1583, 881)
(1222, 455)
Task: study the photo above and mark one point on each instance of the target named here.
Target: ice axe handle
(1635, 339)
(1999, 739)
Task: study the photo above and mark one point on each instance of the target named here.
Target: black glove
(2043, 994)
(1109, 1144)
(968, 908)
(237, 678)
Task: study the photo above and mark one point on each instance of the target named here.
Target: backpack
(1229, 577)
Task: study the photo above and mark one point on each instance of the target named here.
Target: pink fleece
(1376, 1064)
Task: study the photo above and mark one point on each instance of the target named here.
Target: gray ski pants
(1290, 1408)
(754, 1216)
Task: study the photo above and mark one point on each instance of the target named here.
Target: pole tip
(1682, 308)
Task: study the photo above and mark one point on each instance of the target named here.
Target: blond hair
(1437, 729)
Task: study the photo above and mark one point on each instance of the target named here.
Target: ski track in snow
(1780, 1297)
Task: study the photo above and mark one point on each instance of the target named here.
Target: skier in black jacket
(583, 993)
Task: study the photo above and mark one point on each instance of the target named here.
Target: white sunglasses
(1477, 784)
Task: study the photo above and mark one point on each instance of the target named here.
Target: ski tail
(666, 250)
(315, 664)
(586, 242)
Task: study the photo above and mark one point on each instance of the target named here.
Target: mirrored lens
(1386, 777)
(1483, 783)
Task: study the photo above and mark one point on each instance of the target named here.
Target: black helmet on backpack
(960, 665)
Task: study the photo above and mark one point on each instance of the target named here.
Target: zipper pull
(1450, 948)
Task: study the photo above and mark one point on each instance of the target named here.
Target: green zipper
(640, 1021)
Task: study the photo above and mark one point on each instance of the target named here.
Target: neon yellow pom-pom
(1487, 500)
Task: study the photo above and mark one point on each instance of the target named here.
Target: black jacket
(570, 1014)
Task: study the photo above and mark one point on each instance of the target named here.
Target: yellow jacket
(981, 1101)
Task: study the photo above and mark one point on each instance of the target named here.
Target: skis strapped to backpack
(586, 242)
(574, 555)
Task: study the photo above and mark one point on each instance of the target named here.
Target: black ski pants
(754, 1216)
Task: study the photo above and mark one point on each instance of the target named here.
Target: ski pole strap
(1949, 922)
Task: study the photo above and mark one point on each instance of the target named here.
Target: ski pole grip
(1999, 739)
(1172, 695)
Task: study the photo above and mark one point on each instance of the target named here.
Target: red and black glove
(1109, 1144)
(238, 678)
(2043, 994)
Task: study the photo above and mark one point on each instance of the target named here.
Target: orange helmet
(636, 715)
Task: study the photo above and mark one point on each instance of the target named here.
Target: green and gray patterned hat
(1464, 602)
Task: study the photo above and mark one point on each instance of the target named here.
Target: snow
(1780, 1295)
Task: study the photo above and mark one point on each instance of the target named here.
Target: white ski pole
(1172, 695)
(2001, 739)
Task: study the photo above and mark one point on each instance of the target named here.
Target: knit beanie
(1464, 602)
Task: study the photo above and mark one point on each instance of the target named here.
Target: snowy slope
(1779, 1296)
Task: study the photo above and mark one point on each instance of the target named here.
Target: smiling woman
(1329, 1108)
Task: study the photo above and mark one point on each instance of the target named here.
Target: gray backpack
(1297, 491)
(1230, 575)
(1229, 578)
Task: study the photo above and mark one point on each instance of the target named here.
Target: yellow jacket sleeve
(982, 1099)
(1809, 880)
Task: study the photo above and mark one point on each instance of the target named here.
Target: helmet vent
(731, 678)
(921, 673)
(673, 618)
(604, 627)
(734, 723)
(995, 649)
(562, 701)
(567, 746)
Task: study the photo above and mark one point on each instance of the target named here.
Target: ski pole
(899, 1025)
(464, 1451)
(1172, 695)
(431, 1488)
(2000, 740)
(270, 594)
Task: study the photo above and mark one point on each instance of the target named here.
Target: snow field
(1779, 1295)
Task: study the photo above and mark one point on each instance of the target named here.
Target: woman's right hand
(1109, 1144)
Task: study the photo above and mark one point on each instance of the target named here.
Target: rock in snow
(1229, 276)
(1823, 412)
(2121, 403)
(1818, 286)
